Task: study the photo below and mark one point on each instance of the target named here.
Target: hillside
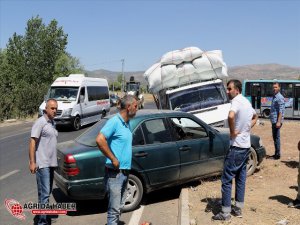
(257, 71)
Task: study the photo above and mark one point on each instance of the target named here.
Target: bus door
(296, 105)
(256, 96)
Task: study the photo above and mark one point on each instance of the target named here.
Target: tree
(66, 64)
(31, 63)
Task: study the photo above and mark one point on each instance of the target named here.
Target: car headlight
(41, 112)
(260, 142)
(67, 112)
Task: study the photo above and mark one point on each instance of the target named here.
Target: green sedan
(169, 148)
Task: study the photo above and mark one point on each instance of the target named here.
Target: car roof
(156, 112)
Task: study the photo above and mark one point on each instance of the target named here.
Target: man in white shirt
(241, 118)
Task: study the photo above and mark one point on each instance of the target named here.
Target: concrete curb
(183, 208)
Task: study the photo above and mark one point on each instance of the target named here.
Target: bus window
(268, 89)
(247, 89)
(287, 90)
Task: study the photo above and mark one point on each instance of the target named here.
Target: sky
(102, 33)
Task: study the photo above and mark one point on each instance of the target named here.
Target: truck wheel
(252, 162)
(134, 193)
(76, 123)
(266, 113)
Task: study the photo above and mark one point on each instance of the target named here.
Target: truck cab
(133, 88)
(206, 100)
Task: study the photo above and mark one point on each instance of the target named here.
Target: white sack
(173, 57)
(153, 77)
(190, 53)
(209, 65)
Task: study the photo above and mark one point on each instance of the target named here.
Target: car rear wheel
(252, 162)
(134, 193)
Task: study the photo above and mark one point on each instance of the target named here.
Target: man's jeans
(298, 196)
(235, 166)
(276, 138)
(116, 185)
(44, 178)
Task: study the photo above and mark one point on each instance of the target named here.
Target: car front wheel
(252, 162)
(76, 123)
(134, 193)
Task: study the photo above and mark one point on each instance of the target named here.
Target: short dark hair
(126, 100)
(276, 83)
(236, 83)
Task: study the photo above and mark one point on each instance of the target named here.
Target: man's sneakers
(275, 157)
(237, 212)
(294, 204)
(222, 216)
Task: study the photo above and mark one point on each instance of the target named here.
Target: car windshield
(89, 137)
(198, 97)
(63, 93)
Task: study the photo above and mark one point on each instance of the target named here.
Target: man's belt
(125, 172)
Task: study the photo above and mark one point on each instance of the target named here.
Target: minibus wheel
(76, 123)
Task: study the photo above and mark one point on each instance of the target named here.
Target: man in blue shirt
(276, 116)
(115, 142)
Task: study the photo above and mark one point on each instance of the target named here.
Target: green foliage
(29, 65)
(115, 86)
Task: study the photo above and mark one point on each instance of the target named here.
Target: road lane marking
(9, 174)
(27, 129)
(136, 216)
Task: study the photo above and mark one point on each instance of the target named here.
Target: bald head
(51, 108)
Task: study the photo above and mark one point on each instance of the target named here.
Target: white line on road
(27, 129)
(9, 174)
(136, 216)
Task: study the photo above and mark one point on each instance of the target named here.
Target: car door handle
(185, 148)
(140, 154)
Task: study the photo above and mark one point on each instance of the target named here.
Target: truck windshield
(198, 97)
(63, 93)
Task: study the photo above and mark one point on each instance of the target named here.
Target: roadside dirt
(268, 191)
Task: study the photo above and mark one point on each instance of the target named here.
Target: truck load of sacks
(189, 65)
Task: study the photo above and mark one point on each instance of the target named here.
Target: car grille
(59, 112)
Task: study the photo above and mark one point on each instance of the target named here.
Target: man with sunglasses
(42, 154)
(241, 118)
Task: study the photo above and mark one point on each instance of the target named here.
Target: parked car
(169, 148)
(114, 99)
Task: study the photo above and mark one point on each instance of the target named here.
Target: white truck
(190, 80)
(81, 100)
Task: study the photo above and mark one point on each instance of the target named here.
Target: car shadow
(66, 129)
(162, 195)
(83, 207)
(282, 199)
(291, 164)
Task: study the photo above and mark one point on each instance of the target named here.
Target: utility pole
(123, 77)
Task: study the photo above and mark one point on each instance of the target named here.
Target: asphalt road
(16, 182)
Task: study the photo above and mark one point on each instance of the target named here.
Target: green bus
(260, 94)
